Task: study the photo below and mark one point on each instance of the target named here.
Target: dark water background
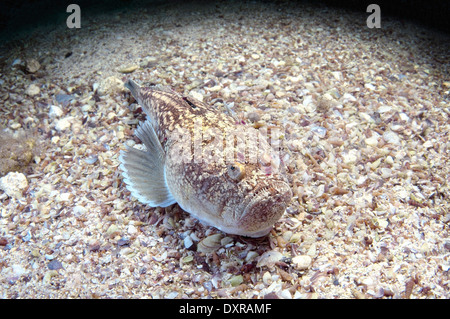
(18, 17)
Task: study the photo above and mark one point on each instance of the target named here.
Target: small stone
(148, 62)
(54, 265)
(132, 230)
(209, 244)
(197, 95)
(386, 172)
(13, 184)
(64, 99)
(236, 280)
(32, 90)
(384, 109)
(348, 97)
(319, 131)
(129, 69)
(86, 108)
(63, 124)
(91, 160)
(253, 117)
(255, 56)
(172, 295)
(350, 157)
(112, 231)
(403, 116)
(371, 141)
(110, 85)
(15, 126)
(251, 256)
(79, 211)
(55, 111)
(391, 138)
(48, 276)
(32, 66)
(269, 258)
(337, 75)
(188, 243)
(302, 262)
(3, 241)
(428, 144)
(370, 86)
(64, 197)
(16, 62)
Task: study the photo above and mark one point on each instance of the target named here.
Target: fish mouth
(264, 207)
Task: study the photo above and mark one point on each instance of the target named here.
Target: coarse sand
(365, 120)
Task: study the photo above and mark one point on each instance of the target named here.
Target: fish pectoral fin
(144, 171)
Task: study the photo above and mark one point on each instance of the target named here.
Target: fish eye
(236, 171)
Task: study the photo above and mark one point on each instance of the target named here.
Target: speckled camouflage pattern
(221, 171)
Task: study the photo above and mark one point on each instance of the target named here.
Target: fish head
(256, 200)
(243, 192)
(237, 198)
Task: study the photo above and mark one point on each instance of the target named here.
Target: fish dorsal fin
(144, 171)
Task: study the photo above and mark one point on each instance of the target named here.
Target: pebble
(269, 258)
(209, 244)
(197, 95)
(384, 109)
(13, 184)
(32, 66)
(370, 86)
(110, 85)
(55, 111)
(337, 75)
(63, 124)
(112, 231)
(302, 262)
(319, 131)
(91, 160)
(16, 62)
(386, 172)
(79, 211)
(32, 90)
(63, 99)
(188, 242)
(129, 69)
(18, 270)
(348, 97)
(391, 138)
(86, 108)
(350, 157)
(132, 230)
(148, 61)
(54, 265)
(48, 276)
(15, 126)
(64, 197)
(371, 141)
(253, 117)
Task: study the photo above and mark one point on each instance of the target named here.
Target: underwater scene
(224, 149)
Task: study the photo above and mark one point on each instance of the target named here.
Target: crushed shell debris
(364, 118)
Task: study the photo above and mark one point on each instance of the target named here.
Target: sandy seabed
(365, 121)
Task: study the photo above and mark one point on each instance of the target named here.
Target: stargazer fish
(221, 171)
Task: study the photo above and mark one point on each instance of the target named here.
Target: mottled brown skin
(240, 189)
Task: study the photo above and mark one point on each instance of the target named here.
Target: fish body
(222, 172)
